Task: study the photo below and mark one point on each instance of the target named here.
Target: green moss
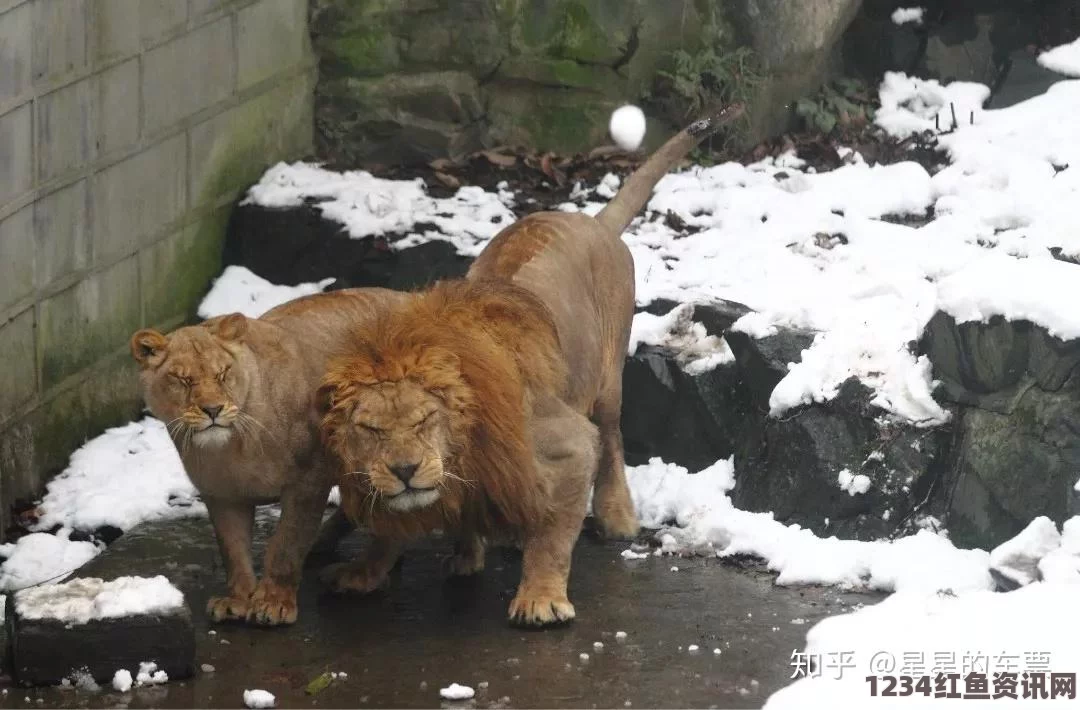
(576, 35)
(564, 127)
(178, 270)
(370, 51)
(559, 72)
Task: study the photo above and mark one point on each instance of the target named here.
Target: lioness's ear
(230, 327)
(148, 347)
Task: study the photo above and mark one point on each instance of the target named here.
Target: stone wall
(414, 80)
(127, 130)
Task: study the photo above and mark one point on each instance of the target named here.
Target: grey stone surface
(89, 321)
(116, 28)
(16, 31)
(64, 132)
(18, 380)
(188, 74)
(64, 23)
(61, 233)
(16, 153)
(138, 196)
(159, 18)
(16, 256)
(118, 107)
(267, 40)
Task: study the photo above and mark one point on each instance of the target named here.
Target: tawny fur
(263, 374)
(490, 406)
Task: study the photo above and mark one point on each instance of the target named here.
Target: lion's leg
(566, 454)
(364, 575)
(612, 505)
(233, 523)
(469, 555)
(274, 600)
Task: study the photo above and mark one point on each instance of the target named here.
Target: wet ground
(400, 647)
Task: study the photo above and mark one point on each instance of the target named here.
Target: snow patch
(904, 15)
(456, 692)
(695, 350)
(41, 557)
(239, 290)
(694, 515)
(259, 699)
(122, 680)
(853, 483)
(83, 600)
(1064, 59)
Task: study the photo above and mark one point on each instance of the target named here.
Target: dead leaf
(500, 159)
(441, 164)
(447, 179)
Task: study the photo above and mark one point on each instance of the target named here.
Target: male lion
(236, 394)
(490, 406)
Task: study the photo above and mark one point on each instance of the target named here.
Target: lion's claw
(272, 605)
(540, 610)
(229, 608)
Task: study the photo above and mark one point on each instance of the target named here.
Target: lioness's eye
(221, 375)
(372, 429)
(182, 381)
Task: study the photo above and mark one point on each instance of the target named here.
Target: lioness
(236, 394)
(489, 406)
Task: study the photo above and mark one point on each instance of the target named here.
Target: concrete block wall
(128, 128)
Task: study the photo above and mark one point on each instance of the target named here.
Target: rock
(1023, 78)
(1008, 469)
(45, 651)
(788, 466)
(290, 246)
(1016, 453)
(990, 365)
(411, 118)
(961, 49)
(795, 43)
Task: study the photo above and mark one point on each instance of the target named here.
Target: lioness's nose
(404, 471)
(212, 412)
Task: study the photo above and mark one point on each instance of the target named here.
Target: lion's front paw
(540, 609)
(355, 577)
(228, 608)
(468, 558)
(272, 605)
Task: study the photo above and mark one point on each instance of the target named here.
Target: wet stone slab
(399, 647)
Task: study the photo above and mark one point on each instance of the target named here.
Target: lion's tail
(622, 209)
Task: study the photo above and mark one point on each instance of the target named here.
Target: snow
(693, 514)
(87, 599)
(239, 290)
(127, 475)
(259, 699)
(695, 350)
(904, 15)
(1034, 627)
(1018, 559)
(620, 635)
(122, 681)
(627, 127)
(853, 483)
(456, 692)
(150, 675)
(369, 206)
(41, 557)
(1064, 59)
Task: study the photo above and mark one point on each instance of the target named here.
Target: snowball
(904, 15)
(456, 692)
(627, 127)
(121, 680)
(259, 699)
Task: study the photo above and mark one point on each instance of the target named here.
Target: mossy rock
(561, 120)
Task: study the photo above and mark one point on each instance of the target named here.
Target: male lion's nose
(212, 412)
(404, 471)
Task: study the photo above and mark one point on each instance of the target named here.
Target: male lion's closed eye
(184, 381)
(224, 373)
